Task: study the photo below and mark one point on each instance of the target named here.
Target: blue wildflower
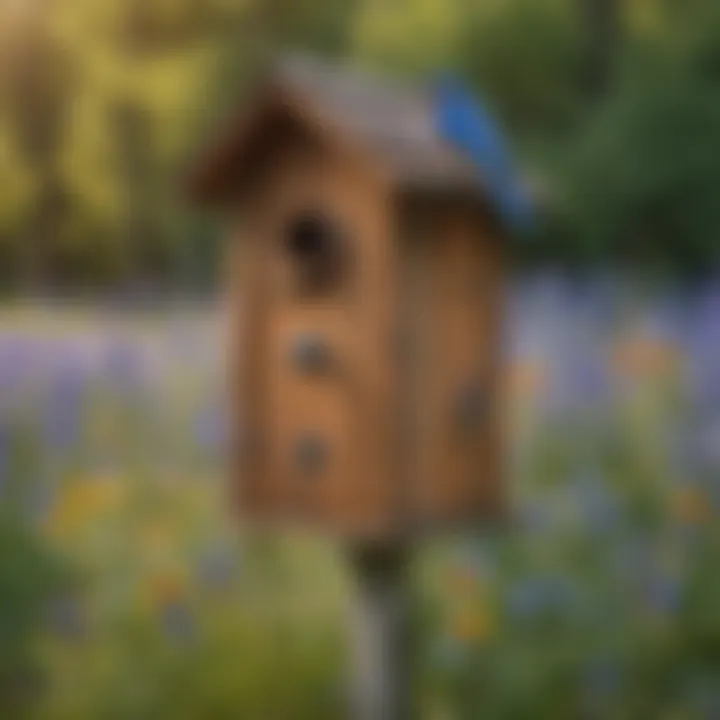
(663, 594)
(537, 595)
(702, 343)
(534, 517)
(16, 355)
(216, 569)
(599, 504)
(178, 621)
(529, 597)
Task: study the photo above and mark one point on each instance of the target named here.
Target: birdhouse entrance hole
(314, 245)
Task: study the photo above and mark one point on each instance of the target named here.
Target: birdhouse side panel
(454, 375)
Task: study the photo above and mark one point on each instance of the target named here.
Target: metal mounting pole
(379, 688)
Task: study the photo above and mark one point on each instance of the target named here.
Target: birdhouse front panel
(317, 375)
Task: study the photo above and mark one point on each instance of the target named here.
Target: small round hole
(314, 245)
(310, 454)
(310, 354)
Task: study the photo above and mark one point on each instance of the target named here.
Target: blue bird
(463, 121)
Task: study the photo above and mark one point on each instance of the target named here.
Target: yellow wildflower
(472, 624)
(167, 587)
(83, 501)
(158, 537)
(645, 357)
(692, 506)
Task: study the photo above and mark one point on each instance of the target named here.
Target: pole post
(379, 684)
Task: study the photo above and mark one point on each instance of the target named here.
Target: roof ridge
(297, 65)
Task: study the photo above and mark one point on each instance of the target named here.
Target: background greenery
(613, 107)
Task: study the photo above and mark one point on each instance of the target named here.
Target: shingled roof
(393, 121)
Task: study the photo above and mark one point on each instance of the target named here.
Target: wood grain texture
(348, 407)
(453, 322)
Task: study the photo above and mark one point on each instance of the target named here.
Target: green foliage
(103, 104)
(588, 616)
(525, 57)
(642, 183)
(387, 34)
(29, 575)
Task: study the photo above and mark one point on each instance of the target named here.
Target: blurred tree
(526, 57)
(642, 182)
(101, 103)
(15, 200)
(36, 91)
(144, 69)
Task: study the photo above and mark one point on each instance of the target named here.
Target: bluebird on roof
(429, 137)
(465, 122)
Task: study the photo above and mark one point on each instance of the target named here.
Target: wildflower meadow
(129, 588)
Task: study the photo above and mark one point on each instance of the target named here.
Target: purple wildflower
(708, 446)
(123, 367)
(63, 412)
(4, 454)
(16, 355)
(211, 428)
(579, 383)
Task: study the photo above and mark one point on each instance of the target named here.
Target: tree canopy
(613, 105)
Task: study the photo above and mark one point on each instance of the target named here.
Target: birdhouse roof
(393, 119)
(395, 123)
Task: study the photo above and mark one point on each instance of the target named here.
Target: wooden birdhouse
(367, 266)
